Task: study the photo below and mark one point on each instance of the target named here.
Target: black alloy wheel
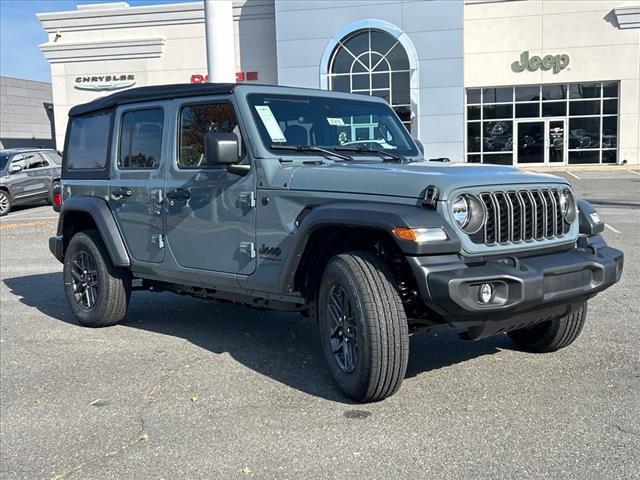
(84, 279)
(343, 334)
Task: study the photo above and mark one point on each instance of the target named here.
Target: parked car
(251, 194)
(27, 176)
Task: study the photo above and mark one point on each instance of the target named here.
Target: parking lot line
(612, 229)
(573, 175)
(633, 171)
(22, 219)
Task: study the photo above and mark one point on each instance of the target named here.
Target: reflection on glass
(498, 136)
(473, 137)
(554, 92)
(554, 109)
(473, 112)
(586, 107)
(527, 93)
(584, 90)
(497, 111)
(610, 89)
(556, 141)
(609, 156)
(499, 159)
(610, 106)
(473, 95)
(584, 133)
(609, 132)
(493, 95)
(591, 156)
(531, 142)
(527, 110)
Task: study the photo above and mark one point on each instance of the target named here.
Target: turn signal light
(420, 235)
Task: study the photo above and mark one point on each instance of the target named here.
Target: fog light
(485, 293)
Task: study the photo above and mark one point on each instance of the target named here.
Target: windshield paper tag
(271, 124)
(336, 121)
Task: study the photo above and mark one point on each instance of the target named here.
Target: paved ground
(191, 389)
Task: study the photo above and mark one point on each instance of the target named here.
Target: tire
(54, 184)
(108, 287)
(551, 335)
(5, 203)
(374, 317)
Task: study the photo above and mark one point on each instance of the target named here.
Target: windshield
(4, 158)
(330, 123)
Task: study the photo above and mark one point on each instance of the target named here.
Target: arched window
(373, 62)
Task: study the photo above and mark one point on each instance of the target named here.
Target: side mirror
(15, 169)
(420, 145)
(220, 149)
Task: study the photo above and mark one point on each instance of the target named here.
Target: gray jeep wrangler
(320, 203)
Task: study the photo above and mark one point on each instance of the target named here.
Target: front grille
(521, 216)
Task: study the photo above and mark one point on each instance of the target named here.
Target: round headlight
(468, 212)
(567, 205)
(460, 210)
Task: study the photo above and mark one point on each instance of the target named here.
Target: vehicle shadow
(282, 346)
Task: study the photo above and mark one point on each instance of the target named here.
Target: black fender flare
(371, 215)
(102, 216)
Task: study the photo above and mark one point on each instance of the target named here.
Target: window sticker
(335, 121)
(270, 123)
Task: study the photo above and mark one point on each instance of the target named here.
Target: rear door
(137, 180)
(40, 173)
(210, 211)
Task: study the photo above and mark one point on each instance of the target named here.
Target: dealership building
(523, 82)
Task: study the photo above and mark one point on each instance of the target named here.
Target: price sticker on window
(335, 121)
(270, 123)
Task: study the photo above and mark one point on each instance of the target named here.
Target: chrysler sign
(100, 83)
(548, 62)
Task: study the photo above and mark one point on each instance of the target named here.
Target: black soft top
(159, 92)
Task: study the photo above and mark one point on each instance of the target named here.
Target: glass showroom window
(589, 110)
(373, 62)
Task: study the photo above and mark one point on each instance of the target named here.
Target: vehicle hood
(409, 179)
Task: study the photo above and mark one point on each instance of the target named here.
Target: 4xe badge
(267, 251)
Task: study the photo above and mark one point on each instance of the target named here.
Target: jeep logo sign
(548, 62)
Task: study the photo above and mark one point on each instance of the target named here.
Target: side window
(19, 160)
(34, 160)
(141, 139)
(54, 157)
(198, 120)
(88, 142)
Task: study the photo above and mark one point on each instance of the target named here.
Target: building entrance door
(541, 142)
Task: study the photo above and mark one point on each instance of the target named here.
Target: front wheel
(363, 327)
(551, 335)
(5, 203)
(97, 292)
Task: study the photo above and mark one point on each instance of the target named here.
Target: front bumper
(527, 289)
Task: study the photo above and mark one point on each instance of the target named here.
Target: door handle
(179, 194)
(121, 193)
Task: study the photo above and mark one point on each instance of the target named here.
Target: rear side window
(88, 142)
(53, 157)
(141, 139)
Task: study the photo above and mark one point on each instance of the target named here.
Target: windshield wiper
(377, 151)
(310, 148)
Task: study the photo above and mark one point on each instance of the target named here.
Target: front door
(540, 142)
(137, 179)
(210, 211)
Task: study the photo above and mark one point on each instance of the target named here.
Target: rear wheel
(551, 335)
(97, 292)
(363, 327)
(5, 203)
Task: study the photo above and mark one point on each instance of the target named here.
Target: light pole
(220, 41)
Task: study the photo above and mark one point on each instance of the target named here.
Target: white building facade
(552, 82)
(512, 82)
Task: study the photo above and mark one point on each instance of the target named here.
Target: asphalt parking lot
(189, 389)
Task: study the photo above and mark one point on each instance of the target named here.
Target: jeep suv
(27, 176)
(320, 203)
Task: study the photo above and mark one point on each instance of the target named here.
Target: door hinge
(248, 249)
(247, 199)
(158, 240)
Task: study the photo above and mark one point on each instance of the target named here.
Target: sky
(21, 33)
